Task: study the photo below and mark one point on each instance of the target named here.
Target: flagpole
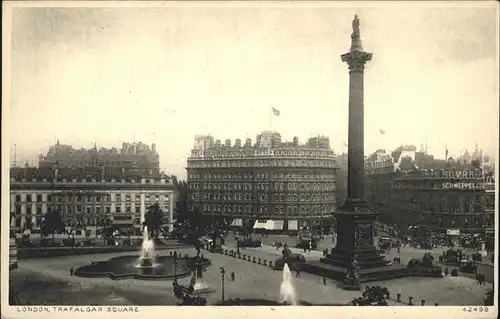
(271, 121)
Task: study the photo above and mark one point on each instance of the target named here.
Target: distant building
(448, 198)
(284, 184)
(138, 158)
(87, 195)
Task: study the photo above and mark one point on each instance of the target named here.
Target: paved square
(252, 281)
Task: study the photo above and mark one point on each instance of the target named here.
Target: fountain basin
(146, 262)
(127, 267)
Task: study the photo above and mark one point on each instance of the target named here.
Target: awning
(293, 225)
(278, 225)
(269, 224)
(237, 222)
(260, 224)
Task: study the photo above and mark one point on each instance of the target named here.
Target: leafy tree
(52, 223)
(488, 301)
(154, 219)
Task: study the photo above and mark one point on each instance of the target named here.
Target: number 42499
(475, 309)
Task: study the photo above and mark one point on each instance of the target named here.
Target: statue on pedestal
(355, 27)
(352, 276)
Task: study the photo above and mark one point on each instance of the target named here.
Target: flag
(276, 112)
(381, 131)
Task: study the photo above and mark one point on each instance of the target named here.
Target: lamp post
(175, 267)
(223, 272)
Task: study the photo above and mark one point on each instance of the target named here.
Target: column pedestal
(355, 238)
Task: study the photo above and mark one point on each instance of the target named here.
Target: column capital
(356, 60)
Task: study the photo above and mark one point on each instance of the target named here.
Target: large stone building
(137, 158)
(87, 195)
(450, 200)
(270, 184)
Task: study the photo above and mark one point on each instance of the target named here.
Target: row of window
(82, 198)
(264, 186)
(32, 223)
(79, 209)
(262, 175)
(278, 210)
(314, 197)
(262, 163)
(262, 152)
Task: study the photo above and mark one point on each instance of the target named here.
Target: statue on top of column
(355, 27)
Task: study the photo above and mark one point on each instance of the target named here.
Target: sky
(164, 74)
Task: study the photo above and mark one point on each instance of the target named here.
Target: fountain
(287, 291)
(146, 259)
(146, 266)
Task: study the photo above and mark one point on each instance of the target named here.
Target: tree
(154, 219)
(52, 223)
(488, 301)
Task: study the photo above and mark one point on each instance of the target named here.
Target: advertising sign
(453, 232)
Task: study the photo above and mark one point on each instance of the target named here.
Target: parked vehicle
(468, 266)
(384, 243)
(451, 257)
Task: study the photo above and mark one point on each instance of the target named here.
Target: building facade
(290, 184)
(449, 202)
(87, 195)
(136, 158)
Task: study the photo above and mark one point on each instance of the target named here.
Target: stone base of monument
(365, 274)
(201, 287)
(351, 284)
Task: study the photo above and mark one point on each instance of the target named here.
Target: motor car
(468, 266)
(384, 243)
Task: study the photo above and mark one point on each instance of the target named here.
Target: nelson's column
(354, 220)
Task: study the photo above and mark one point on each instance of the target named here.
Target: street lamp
(223, 272)
(175, 267)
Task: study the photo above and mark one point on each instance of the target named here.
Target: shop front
(453, 237)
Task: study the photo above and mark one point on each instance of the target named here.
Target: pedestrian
(477, 278)
(298, 273)
(446, 271)
(395, 260)
(232, 276)
(324, 280)
(71, 271)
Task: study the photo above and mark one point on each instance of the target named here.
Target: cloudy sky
(87, 75)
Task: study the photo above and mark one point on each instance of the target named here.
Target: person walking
(324, 280)
(71, 271)
(298, 273)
